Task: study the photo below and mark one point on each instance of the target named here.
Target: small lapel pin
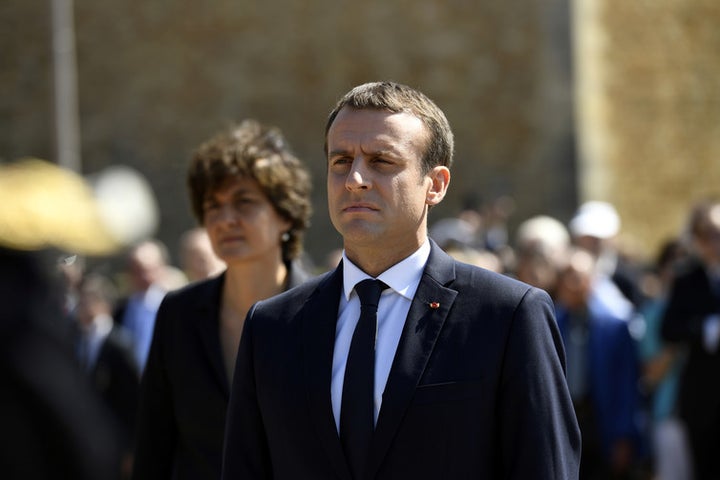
(434, 305)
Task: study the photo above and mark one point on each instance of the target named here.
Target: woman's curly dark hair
(260, 152)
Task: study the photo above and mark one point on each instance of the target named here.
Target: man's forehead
(380, 128)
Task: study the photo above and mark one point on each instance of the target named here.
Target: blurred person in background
(252, 195)
(662, 364)
(105, 352)
(457, 237)
(478, 257)
(147, 275)
(541, 247)
(453, 232)
(595, 227)
(332, 259)
(692, 321)
(495, 223)
(602, 373)
(197, 258)
(71, 268)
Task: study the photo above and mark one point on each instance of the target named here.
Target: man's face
(575, 281)
(377, 195)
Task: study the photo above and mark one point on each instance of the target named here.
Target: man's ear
(440, 177)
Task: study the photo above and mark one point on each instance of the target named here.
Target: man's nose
(358, 177)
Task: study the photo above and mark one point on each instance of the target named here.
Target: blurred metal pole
(67, 122)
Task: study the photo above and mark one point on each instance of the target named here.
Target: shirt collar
(403, 277)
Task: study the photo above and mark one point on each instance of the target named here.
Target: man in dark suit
(105, 352)
(467, 378)
(692, 319)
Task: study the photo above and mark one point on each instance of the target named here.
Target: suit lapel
(319, 316)
(425, 320)
(207, 323)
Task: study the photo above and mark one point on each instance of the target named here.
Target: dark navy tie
(357, 412)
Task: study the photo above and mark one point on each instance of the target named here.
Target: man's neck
(375, 261)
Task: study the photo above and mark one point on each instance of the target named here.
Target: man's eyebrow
(380, 152)
(336, 152)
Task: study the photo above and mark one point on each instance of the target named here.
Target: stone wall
(649, 109)
(158, 77)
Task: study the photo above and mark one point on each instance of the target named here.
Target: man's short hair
(397, 98)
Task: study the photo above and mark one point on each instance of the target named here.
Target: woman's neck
(248, 283)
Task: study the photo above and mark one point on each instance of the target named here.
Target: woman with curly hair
(252, 195)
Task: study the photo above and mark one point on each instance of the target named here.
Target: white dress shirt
(403, 279)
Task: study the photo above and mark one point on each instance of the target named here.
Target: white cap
(544, 232)
(595, 219)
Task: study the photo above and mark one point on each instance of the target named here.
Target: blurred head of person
(660, 274)
(541, 244)
(595, 226)
(575, 282)
(147, 265)
(478, 257)
(97, 296)
(197, 258)
(704, 229)
(251, 193)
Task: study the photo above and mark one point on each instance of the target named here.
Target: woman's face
(242, 224)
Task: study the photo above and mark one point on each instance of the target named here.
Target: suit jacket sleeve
(246, 452)
(539, 435)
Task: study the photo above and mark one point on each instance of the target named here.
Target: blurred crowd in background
(640, 329)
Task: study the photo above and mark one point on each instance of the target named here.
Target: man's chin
(361, 235)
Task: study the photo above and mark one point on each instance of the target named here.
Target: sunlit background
(552, 102)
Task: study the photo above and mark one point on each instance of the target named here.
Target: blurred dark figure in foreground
(54, 425)
(692, 319)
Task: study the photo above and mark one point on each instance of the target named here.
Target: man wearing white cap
(595, 228)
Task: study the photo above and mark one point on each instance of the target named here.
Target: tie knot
(369, 292)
